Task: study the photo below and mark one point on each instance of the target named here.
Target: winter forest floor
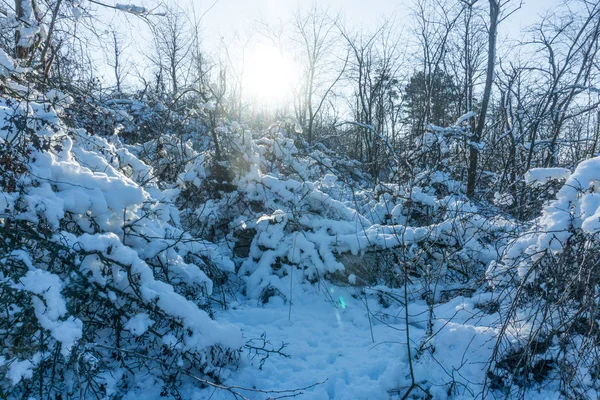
(336, 348)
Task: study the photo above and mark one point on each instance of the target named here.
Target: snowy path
(329, 340)
(332, 343)
(325, 342)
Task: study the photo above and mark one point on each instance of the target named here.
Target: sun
(269, 75)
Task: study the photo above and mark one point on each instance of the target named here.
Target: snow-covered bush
(289, 211)
(101, 289)
(551, 276)
(271, 189)
(443, 235)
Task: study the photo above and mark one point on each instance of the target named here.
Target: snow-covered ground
(327, 342)
(332, 342)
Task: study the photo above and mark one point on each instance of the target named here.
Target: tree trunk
(477, 135)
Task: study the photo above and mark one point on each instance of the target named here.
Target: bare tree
(435, 21)
(571, 48)
(235, 65)
(117, 62)
(26, 37)
(314, 35)
(172, 47)
(465, 62)
(373, 75)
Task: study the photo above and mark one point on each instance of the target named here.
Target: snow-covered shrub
(552, 279)
(101, 290)
(146, 128)
(442, 235)
(526, 199)
(303, 212)
(287, 211)
(436, 238)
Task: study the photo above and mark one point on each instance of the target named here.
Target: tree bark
(478, 134)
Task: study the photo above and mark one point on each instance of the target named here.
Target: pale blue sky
(230, 16)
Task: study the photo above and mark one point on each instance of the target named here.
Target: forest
(315, 208)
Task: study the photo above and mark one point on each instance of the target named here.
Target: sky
(223, 19)
(231, 15)
(226, 17)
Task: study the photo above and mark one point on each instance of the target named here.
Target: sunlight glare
(269, 75)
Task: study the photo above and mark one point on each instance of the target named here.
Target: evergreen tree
(431, 99)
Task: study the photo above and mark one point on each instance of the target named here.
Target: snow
(52, 308)
(465, 117)
(540, 176)
(27, 35)
(329, 180)
(19, 370)
(158, 259)
(7, 64)
(204, 331)
(503, 199)
(329, 340)
(77, 12)
(577, 206)
(139, 324)
(131, 8)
